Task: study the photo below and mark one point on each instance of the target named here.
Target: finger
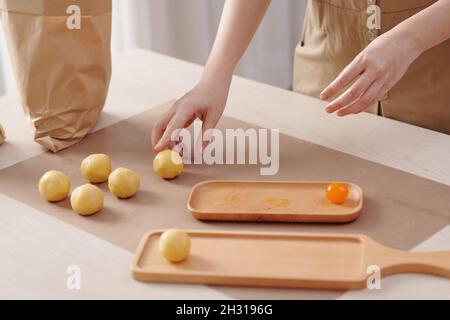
(160, 126)
(209, 123)
(354, 69)
(368, 98)
(180, 120)
(352, 94)
(381, 93)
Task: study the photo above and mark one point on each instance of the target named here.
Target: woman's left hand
(373, 73)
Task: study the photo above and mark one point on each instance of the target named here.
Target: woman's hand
(373, 73)
(206, 101)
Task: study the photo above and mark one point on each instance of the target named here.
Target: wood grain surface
(292, 260)
(272, 201)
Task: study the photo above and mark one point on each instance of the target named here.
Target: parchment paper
(401, 210)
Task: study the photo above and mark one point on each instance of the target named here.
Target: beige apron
(335, 31)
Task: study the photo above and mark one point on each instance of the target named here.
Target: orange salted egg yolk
(337, 193)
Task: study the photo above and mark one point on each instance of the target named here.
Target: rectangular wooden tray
(322, 261)
(277, 201)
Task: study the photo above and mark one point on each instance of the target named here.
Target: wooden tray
(287, 201)
(323, 261)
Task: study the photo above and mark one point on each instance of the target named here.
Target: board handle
(433, 263)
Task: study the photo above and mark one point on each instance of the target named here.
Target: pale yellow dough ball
(54, 186)
(96, 168)
(87, 199)
(168, 164)
(174, 245)
(123, 183)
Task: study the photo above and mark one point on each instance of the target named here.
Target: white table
(142, 79)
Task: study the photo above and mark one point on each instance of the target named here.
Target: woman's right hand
(206, 101)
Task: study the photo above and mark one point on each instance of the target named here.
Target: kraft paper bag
(61, 57)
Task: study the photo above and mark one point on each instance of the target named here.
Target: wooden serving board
(294, 260)
(277, 201)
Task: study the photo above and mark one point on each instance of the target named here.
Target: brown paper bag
(61, 56)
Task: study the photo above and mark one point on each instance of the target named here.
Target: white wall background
(186, 29)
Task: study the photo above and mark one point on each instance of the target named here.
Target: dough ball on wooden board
(87, 199)
(174, 245)
(124, 183)
(54, 185)
(96, 168)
